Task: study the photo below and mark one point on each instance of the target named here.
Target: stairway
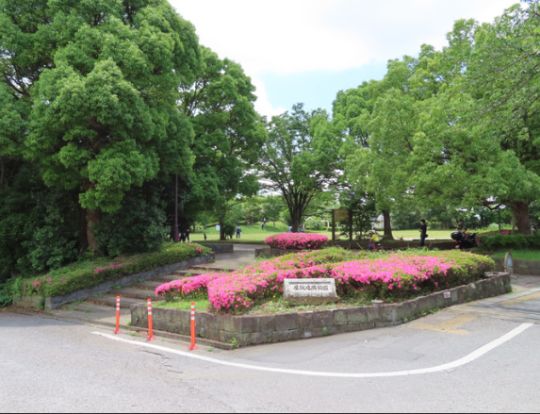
(100, 310)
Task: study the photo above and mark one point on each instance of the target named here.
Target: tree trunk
(521, 217)
(296, 219)
(83, 226)
(351, 229)
(92, 220)
(176, 232)
(387, 226)
(2, 172)
(222, 235)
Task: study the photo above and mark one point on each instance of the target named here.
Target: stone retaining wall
(256, 330)
(51, 303)
(522, 267)
(219, 248)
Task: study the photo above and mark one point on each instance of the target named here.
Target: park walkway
(100, 310)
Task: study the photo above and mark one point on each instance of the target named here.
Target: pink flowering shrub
(379, 276)
(297, 241)
(189, 287)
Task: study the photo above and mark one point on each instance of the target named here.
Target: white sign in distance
(310, 291)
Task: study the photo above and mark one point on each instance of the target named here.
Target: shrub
(379, 276)
(494, 242)
(139, 227)
(88, 274)
(297, 241)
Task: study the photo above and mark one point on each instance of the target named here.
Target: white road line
(441, 368)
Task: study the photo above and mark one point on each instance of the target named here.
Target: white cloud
(294, 36)
(263, 105)
(286, 37)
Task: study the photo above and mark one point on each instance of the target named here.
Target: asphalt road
(48, 365)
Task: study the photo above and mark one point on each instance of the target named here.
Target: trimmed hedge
(512, 241)
(88, 274)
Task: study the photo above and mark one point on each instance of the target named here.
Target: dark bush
(138, 227)
(511, 241)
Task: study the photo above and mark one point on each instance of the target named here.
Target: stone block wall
(256, 330)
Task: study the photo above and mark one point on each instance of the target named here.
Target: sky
(308, 50)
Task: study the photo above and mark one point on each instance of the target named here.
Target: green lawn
(254, 233)
(201, 305)
(527, 255)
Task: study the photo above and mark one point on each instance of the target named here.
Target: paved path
(49, 365)
(101, 309)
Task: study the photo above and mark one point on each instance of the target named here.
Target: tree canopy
(454, 128)
(300, 158)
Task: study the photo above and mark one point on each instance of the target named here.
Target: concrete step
(173, 277)
(93, 312)
(206, 269)
(110, 300)
(150, 285)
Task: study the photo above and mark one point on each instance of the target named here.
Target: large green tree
(100, 83)
(228, 136)
(478, 134)
(504, 77)
(301, 158)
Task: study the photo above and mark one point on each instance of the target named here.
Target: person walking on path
(238, 232)
(423, 233)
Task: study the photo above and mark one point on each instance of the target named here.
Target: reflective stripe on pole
(150, 321)
(193, 328)
(117, 330)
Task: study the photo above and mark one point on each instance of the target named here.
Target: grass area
(280, 306)
(271, 307)
(527, 255)
(254, 233)
(415, 234)
(201, 305)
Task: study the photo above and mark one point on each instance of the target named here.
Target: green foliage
(89, 274)
(90, 91)
(6, 294)
(329, 255)
(514, 241)
(137, 228)
(49, 248)
(300, 158)
(38, 226)
(228, 135)
(315, 223)
(90, 119)
(452, 129)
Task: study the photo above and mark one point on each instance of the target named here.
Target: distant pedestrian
(238, 232)
(423, 233)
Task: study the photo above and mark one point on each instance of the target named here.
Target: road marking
(441, 368)
(521, 299)
(450, 326)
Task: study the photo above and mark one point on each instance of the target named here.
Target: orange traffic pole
(117, 330)
(193, 329)
(150, 321)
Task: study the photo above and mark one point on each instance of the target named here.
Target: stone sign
(310, 291)
(509, 263)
